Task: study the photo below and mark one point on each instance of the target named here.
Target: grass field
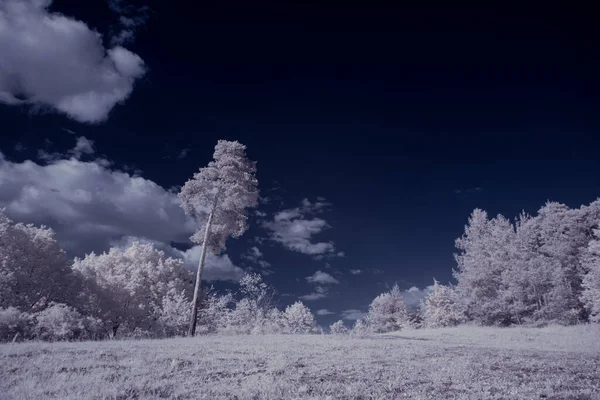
(455, 363)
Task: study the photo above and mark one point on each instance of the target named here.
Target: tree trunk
(196, 299)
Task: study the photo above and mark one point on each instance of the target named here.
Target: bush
(61, 322)
(14, 324)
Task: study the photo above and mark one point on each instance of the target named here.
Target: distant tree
(139, 280)
(440, 308)
(338, 328)
(591, 281)
(34, 270)
(360, 328)
(298, 318)
(388, 313)
(219, 195)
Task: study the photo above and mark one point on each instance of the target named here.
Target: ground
(453, 363)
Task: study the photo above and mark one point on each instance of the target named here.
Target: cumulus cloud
(321, 277)
(356, 271)
(352, 314)
(83, 146)
(57, 62)
(92, 207)
(294, 230)
(320, 292)
(215, 268)
(313, 296)
(324, 311)
(414, 295)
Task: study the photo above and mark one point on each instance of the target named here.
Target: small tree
(219, 195)
(387, 312)
(297, 318)
(440, 308)
(338, 328)
(360, 328)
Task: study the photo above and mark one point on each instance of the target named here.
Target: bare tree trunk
(196, 299)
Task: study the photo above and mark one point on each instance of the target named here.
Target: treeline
(133, 292)
(537, 270)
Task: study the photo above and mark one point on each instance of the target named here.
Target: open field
(455, 363)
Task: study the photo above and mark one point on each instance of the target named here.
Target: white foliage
(229, 184)
(61, 322)
(137, 279)
(214, 313)
(591, 281)
(297, 318)
(440, 308)
(14, 324)
(360, 328)
(338, 328)
(174, 313)
(485, 254)
(33, 268)
(387, 312)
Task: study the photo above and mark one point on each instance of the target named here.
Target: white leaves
(338, 328)
(33, 267)
(297, 318)
(591, 280)
(228, 184)
(440, 308)
(528, 273)
(387, 312)
(137, 280)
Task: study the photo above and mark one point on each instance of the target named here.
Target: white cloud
(131, 18)
(92, 207)
(323, 278)
(324, 311)
(414, 295)
(89, 204)
(320, 292)
(294, 230)
(83, 146)
(183, 154)
(55, 61)
(255, 256)
(356, 271)
(352, 314)
(215, 268)
(313, 296)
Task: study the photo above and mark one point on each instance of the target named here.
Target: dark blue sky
(387, 113)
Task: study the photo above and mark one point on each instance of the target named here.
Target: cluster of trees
(538, 270)
(133, 292)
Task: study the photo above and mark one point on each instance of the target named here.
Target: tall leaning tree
(219, 196)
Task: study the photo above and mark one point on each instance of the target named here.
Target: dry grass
(457, 363)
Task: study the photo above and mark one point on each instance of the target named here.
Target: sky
(376, 130)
